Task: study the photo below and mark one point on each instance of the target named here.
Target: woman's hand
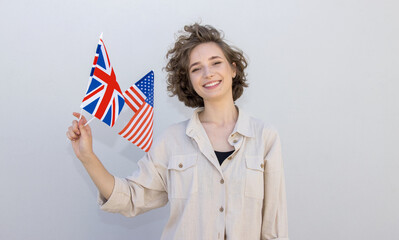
(81, 138)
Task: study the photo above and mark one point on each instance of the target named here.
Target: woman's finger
(69, 136)
(75, 127)
(72, 134)
(82, 118)
(77, 115)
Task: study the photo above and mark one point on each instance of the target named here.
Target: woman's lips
(212, 84)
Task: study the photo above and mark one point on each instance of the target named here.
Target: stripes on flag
(103, 99)
(140, 98)
(139, 130)
(134, 98)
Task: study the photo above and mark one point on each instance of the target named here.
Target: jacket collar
(243, 125)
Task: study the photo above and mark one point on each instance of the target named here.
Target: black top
(222, 155)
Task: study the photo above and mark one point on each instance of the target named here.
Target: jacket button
(261, 165)
(221, 209)
(235, 141)
(229, 158)
(221, 181)
(180, 165)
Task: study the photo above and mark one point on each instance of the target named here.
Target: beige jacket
(243, 199)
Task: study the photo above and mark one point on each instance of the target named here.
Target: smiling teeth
(211, 84)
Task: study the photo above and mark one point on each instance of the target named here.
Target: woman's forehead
(205, 52)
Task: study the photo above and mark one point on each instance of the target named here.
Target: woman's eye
(215, 63)
(195, 69)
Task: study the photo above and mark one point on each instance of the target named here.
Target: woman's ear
(234, 69)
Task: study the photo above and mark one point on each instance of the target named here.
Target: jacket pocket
(183, 176)
(254, 179)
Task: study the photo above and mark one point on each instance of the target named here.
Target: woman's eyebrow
(196, 63)
(213, 57)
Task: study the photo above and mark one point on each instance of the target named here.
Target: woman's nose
(208, 73)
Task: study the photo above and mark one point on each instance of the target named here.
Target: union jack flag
(104, 99)
(140, 98)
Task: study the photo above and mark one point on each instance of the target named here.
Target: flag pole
(89, 121)
(80, 116)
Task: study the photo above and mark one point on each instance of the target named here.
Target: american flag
(104, 99)
(140, 98)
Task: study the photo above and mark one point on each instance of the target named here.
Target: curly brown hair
(178, 79)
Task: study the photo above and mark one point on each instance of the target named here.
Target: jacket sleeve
(274, 212)
(139, 193)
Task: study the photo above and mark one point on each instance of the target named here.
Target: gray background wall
(325, 73)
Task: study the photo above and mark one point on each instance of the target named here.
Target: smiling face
(211, 75)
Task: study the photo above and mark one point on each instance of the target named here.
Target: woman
(221, 170)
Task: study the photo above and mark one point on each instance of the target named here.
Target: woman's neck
(219, 113)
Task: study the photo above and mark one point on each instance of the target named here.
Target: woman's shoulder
(175, 129)
(262, 126)
(171, 140)
(172, 133)
(266, 134)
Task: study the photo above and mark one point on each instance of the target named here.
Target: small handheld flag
(140, 98)
(103, 99)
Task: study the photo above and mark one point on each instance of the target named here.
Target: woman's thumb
(84, 130)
